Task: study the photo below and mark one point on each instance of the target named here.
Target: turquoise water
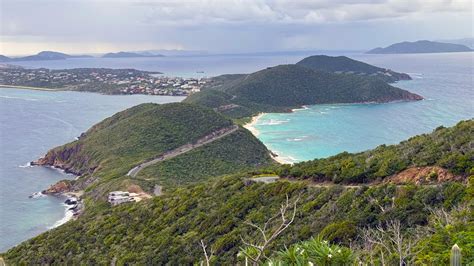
(444, 80)
(32, 122)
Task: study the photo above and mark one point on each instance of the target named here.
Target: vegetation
(449, 148)
(168, 229)
(378, 224)
(343, 64)
(284, 87)
(105, 153)
(238, 152)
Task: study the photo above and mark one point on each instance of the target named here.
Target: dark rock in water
(70, 201)
(36, 195)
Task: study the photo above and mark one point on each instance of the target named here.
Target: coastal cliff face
(58, 188)
(68, 159)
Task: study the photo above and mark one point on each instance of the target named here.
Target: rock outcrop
(60, 187)
(423, 175)
(66, 159)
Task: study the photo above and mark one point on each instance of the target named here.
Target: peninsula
(100, 80)
(285, 87)
(409, 181)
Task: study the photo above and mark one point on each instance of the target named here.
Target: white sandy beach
(27, 88)
(282, 159)
(251, 127)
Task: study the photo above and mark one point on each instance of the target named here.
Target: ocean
(444, 80)
(34, 121)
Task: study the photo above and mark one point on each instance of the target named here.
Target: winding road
(218, 134)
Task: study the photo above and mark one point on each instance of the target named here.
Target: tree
(393, 241)
(267, 233)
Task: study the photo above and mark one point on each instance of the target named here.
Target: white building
(119, 197)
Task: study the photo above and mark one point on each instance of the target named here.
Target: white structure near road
(119, 197)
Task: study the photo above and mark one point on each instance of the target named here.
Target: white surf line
(185, 148)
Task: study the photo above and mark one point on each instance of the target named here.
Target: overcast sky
(96, 26)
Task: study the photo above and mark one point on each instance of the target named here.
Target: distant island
(285, 87)
(420, 47)
(50, 55)
(41, 56)
(130, 55)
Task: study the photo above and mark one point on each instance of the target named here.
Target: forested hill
(169, 229)
(284, 87)
(343, 64)
(108, 150)
(443, 155)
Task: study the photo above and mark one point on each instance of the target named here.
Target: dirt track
(185, 148)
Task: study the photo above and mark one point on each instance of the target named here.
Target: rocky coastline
(62, 159)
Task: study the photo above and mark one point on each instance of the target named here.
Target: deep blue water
(444, 80)
(32, 122)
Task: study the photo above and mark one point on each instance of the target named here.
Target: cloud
(292, 12)
(227, 25)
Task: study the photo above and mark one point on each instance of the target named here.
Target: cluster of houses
(118, 81)
(174, 86)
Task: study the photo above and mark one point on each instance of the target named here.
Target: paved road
(185, 148)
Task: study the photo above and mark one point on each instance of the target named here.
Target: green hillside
(168, 229)
(284, 87)
(448, 148)
(343, 64)
(107, 151)
(237, 152)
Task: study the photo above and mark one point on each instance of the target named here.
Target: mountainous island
(420, 47)
(421, 185)
(130, 55)
(285, 87)
(41, 56)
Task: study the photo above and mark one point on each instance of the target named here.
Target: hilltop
(44, 55)
(284, 87)
(168, 229)
(343, 64)
(106, 152)
(420, 47)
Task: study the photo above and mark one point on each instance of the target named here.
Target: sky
(226, 26)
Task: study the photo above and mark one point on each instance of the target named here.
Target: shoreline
(28, 88)
(250, 126)
(280, 159)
